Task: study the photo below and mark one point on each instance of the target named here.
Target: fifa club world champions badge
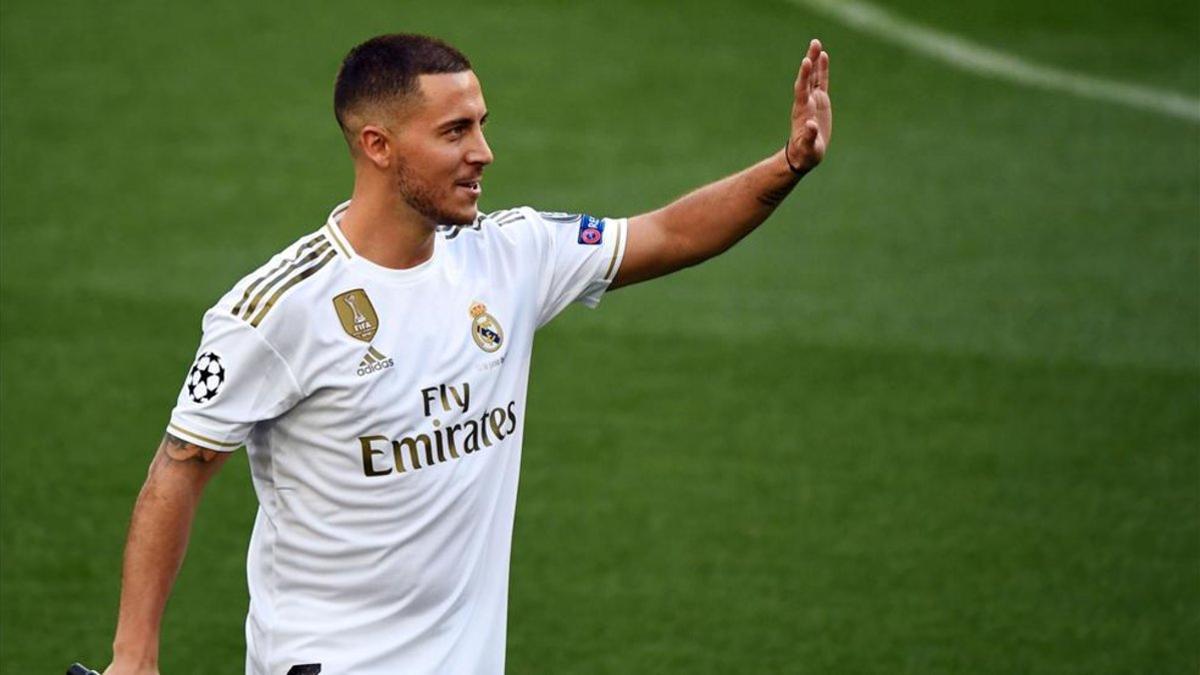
(357, 314)
(591, 230)
(485, 330)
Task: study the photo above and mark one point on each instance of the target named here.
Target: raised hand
(812, 114)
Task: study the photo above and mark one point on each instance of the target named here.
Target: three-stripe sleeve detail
(292, 281)
(503, 218)
(281, 276)
(237, 309)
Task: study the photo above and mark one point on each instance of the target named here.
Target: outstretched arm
(158, 536)
(708, 221)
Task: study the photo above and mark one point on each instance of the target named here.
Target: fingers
(804, 78)
(814, 50)
(814, 69)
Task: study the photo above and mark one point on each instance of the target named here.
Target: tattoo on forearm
(180, 450)
(775, 197)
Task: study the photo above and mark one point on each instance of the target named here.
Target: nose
(479, 152)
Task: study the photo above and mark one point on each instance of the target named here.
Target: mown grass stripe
(966, 55)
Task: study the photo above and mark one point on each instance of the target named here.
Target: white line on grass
(988, 62)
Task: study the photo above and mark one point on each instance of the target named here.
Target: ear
(375, 142)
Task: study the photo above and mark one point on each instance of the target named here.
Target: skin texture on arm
(707, 221)
(154, 549)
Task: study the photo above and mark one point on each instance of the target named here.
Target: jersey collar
(333, 230)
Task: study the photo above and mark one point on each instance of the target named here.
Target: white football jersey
(383, 413)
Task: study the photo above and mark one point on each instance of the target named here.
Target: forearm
(711, 219)
(155, 547)
(708, 220)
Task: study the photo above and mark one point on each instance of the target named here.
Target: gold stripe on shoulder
(507, 216)
(206, 439)
(312, 255)
(250, 289)
(616, 249)
(295, 279)
(336, 239)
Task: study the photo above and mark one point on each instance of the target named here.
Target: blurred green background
(939, 415)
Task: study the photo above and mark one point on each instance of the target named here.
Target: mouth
(472, 187)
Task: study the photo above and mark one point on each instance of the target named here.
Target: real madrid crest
(485, 330)
(357, 314)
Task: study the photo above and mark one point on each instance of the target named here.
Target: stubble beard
(422, 198)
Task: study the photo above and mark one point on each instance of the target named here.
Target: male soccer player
(376, 369)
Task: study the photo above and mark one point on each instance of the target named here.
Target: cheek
(433, 168)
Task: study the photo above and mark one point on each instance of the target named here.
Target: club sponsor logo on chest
(450, 429)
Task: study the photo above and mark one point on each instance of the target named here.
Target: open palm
(812, 113)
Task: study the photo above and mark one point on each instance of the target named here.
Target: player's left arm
(709, 220)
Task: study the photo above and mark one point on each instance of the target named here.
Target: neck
(382, 228)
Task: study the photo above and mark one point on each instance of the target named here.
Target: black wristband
(795, 171)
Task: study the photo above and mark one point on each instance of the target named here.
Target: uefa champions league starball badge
(485, 330)
(205, 378)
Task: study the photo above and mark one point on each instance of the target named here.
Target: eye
(455, 133)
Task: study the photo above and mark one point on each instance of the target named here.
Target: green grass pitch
(940, 415)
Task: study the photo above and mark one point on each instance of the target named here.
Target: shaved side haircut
(381, 74)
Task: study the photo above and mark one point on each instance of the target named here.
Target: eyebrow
(459, 121)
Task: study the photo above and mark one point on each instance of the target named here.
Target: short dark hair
(385, 69)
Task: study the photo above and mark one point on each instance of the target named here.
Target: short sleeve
(581, 257)
(236, 380)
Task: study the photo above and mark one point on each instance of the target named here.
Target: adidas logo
(373, 362)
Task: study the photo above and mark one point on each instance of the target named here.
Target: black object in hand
(77, 669)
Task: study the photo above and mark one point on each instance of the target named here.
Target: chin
(442, 209)
(446, 216)
(460, 216)
(456, 219)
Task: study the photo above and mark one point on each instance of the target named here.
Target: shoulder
(522, 226)
(256, 299)
(486, 223)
